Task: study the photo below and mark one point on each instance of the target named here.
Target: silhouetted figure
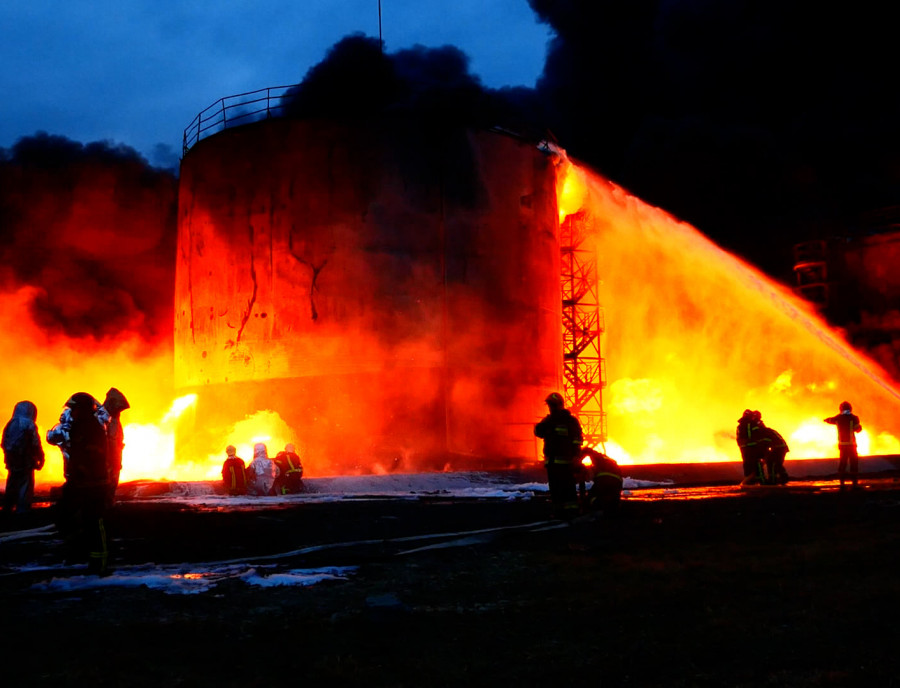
(113, 406)
(84, 494)
(234, 472)
(753, 449)
(776, 448)
(562, 437)
(742, 435)
(22, 455)
(290, 471)
(261, 472)
(847, 426)
(58, 435)
(606, 490)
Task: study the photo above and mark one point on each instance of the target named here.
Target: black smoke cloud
(92, 227)
(761, 122)
(357, 80)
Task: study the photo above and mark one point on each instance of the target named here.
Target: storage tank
(390, 290)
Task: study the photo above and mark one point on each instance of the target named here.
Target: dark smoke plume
(92, 226)
(762, 123)
(357, 80)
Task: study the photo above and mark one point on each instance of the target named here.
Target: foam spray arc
(694, 336)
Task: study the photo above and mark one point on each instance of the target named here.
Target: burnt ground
(767, 588)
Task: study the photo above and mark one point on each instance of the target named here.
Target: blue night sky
(137, 72)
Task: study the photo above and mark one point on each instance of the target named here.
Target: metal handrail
(235, 110)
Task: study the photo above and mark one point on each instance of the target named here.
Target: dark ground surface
(771, 587)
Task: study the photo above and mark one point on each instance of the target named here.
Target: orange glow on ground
(694, 336)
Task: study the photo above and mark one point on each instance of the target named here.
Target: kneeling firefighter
(606, 476)
(290, 471)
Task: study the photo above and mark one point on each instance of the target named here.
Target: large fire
(694, 336)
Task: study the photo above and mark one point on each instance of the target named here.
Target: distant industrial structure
(854, 282)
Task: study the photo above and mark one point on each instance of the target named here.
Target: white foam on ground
(188, 579)
(470, 485)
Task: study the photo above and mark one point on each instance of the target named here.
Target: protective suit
(290, 471)
(776, 449)
(606, 477)
(22, 455)
(234, 473)
(261, 472)
(82, 508)
(752, 445)
(848, 426)
(113, 406)
(562, 437)
(58, 435)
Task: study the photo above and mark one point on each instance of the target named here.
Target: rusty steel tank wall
(392, 292)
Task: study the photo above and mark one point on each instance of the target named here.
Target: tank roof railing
(265, 103)
(233, 111)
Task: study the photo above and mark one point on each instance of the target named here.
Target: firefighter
(260, 472)
(752, 445)
(847, 426)
(776, 448)
(84, 494)
(606, 490)
(290, 471)
(562, 437)
(234, 472)
(742, 437)
(58, 435)
(22, 455)
(113, 406)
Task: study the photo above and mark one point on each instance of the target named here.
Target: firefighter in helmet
(753, 447)
(775, 449)
(562, 437)
(234, 472)
(847, 426)
(22, 456)
(84, 494)
(606, 481)
(261, 472)
(113, 405)
(290, 471)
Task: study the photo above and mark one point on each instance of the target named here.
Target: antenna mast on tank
(584, 369)
(380, 39)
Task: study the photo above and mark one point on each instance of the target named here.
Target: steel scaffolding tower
(584, 369)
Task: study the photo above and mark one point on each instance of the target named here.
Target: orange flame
(694, 336)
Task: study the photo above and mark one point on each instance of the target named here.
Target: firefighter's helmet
(845, 406)
(555, 399)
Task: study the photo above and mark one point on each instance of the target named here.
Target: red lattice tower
(584, 369)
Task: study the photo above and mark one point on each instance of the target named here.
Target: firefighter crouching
(234, 472)
(562, 437)
(776, 449)
(290, 471)
(606, 476)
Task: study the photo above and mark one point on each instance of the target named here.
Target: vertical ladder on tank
(584, 369)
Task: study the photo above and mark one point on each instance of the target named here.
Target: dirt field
(770, 588)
